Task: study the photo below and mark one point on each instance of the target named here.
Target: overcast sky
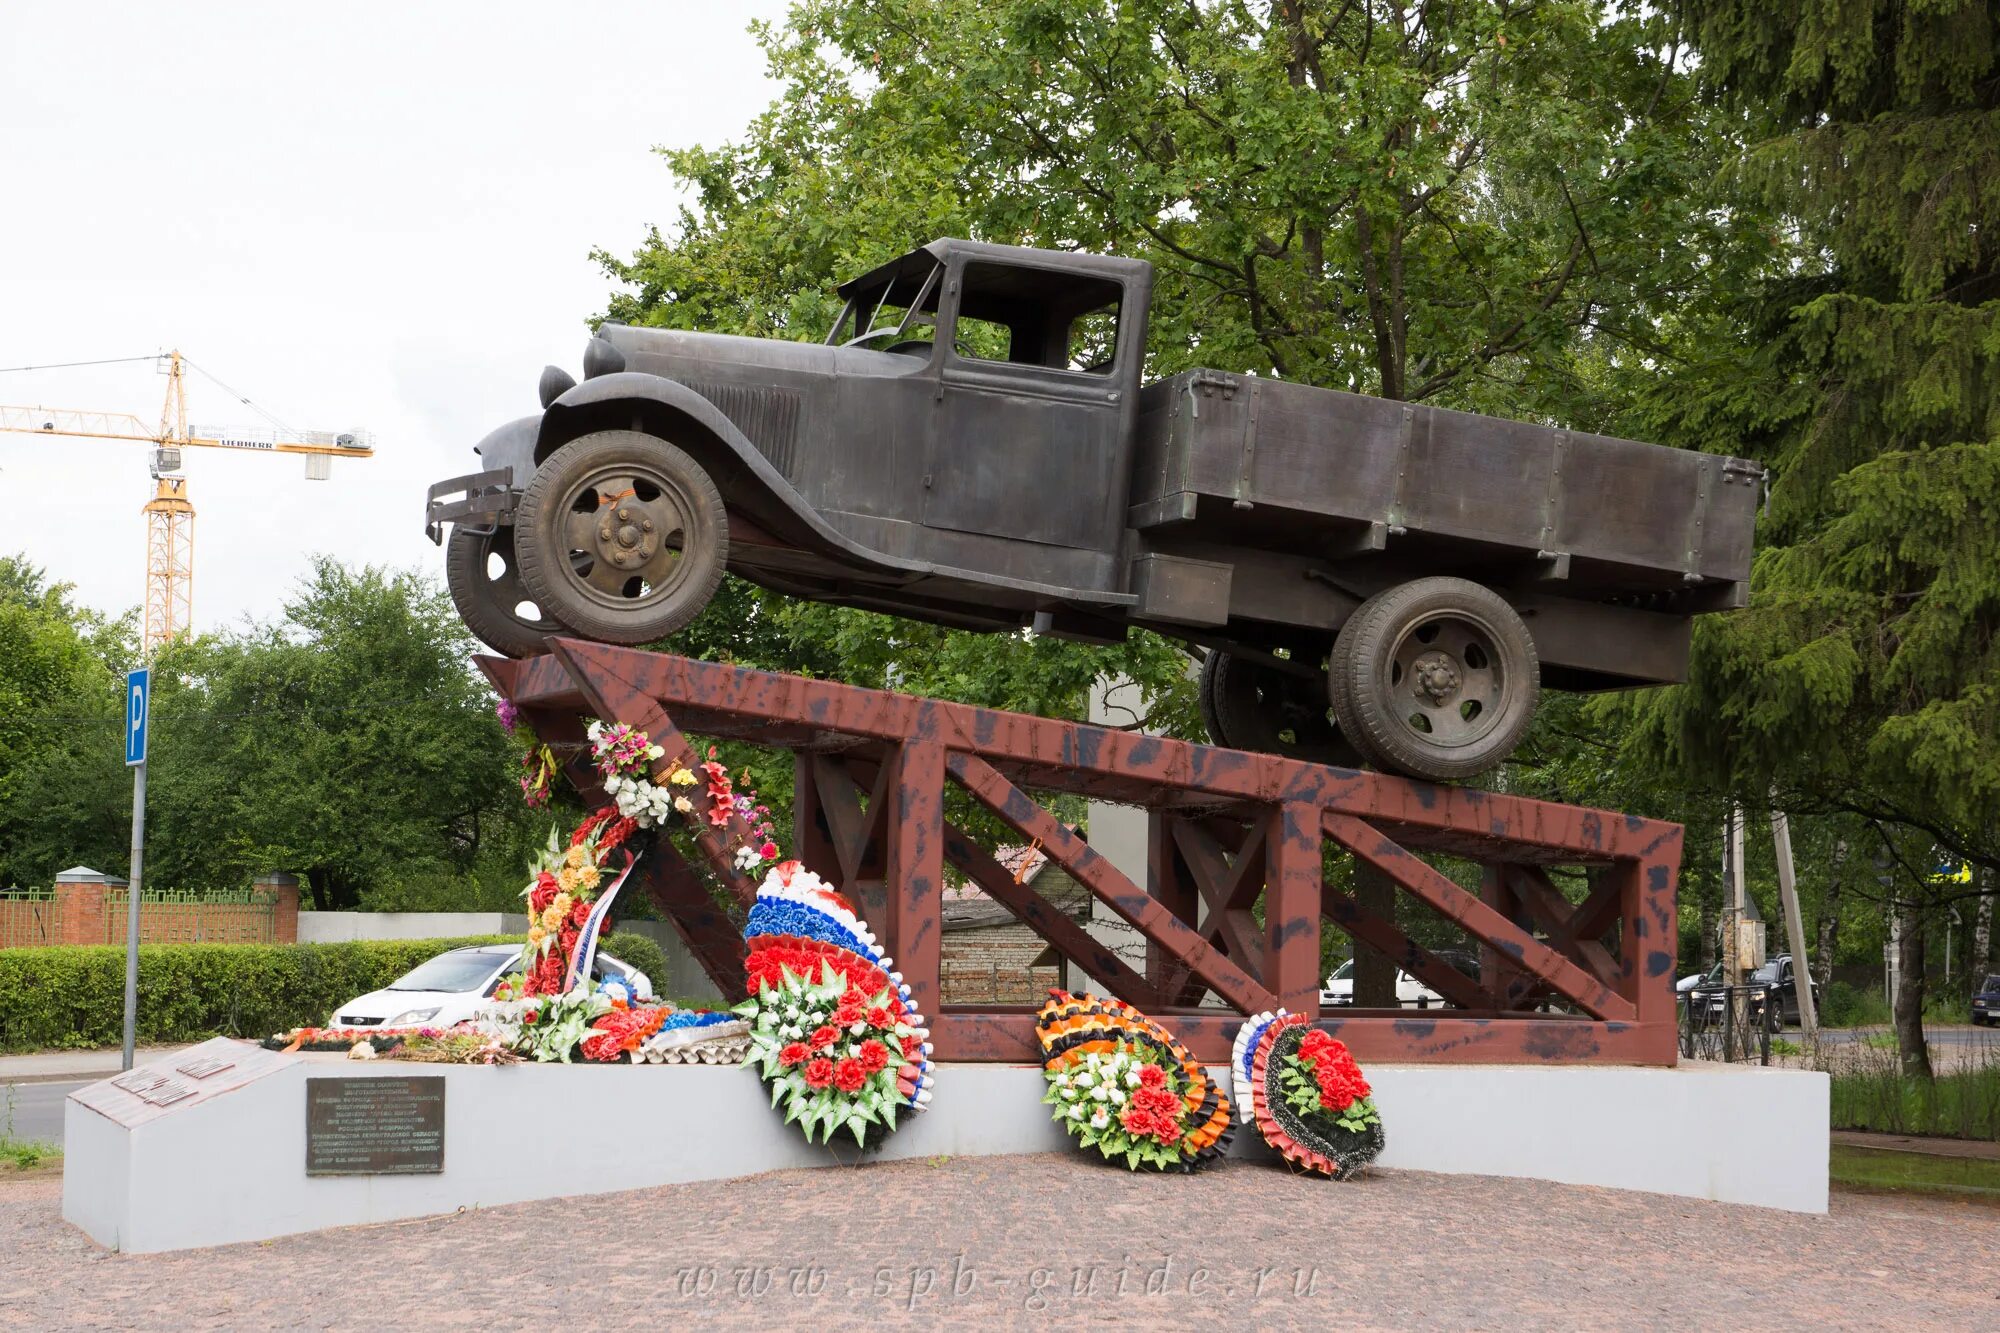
(374, 215)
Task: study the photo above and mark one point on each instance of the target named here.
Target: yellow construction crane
(169, 606)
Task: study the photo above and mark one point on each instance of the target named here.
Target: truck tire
(493, 602)
(1436, 679)
(1247, 705)
(621, 535)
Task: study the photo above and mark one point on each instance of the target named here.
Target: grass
(28, 1154)
(1877, 1169)
(24, 1154)
(1846, 1006)
(1875, 1096)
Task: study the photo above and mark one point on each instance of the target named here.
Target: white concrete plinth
(231, 1167)
(1734, 1133)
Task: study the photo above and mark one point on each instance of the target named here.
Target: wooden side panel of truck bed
(1631, 517)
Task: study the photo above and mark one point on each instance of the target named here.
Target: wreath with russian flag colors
(832, 1029)
(1308, 1098)
(1117, 1082)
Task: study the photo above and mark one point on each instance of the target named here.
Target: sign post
(138, 707)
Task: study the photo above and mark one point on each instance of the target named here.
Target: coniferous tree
(1865, 676)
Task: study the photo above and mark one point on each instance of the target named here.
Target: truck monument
(972, 444)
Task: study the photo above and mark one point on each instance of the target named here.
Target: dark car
(1776, 979)
(1986, 1004)
(974, 444)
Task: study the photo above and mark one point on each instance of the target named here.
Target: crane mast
(168, 609)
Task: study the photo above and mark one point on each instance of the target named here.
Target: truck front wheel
(621, 535)
(1436, 679)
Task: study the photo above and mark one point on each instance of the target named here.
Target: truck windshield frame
(924, 302)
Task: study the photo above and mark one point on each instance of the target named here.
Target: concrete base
(232, 1167)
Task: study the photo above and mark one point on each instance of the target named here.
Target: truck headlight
(601, 358)
(554, 384)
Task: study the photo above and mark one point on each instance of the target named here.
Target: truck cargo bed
(1267, 462)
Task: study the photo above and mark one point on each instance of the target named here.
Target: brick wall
(989, 957)
(284, 890)
(90, 911)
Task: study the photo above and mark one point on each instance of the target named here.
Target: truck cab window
(1093, 340)
(1038, 317)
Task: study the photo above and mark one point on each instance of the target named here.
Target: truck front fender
(655, 405)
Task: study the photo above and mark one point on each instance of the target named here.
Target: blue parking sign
(138, 701)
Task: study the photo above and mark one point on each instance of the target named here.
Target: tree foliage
(1864, 677)
(347, 742)
(1482, 204)
(60, 696)
(1421, 201)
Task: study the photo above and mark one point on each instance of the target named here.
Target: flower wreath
(806, 946)
(539, 771)
(1318, 1114)
(832, 1029)
(566, 885)
(1123, 1086)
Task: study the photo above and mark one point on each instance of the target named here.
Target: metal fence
(1729, 1023)
(28, 918)
(39, 917)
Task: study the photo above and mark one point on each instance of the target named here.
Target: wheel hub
(1447, 684)
(1437, 677)
(627, 536)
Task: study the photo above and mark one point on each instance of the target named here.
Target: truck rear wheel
(1250, 705)
(485, 583)
(1436, 679)
(621, 535)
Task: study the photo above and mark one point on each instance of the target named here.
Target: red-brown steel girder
(1229, 830)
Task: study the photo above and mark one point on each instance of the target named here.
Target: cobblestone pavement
(1030, 1241)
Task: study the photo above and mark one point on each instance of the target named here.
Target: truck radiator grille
(769, 417)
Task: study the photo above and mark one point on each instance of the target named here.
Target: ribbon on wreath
(585, 953)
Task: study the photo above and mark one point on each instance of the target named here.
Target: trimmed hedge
(629, 946)
(73, 996)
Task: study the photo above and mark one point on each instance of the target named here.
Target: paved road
(37, 1110)
(1939, 1036)
(1044, 1241)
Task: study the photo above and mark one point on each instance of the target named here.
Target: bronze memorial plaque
(374, 1126)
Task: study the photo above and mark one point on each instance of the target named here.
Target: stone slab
(218, 1169)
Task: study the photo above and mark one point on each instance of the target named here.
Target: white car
(1339, 989)
(1710, 978)
(451, 987)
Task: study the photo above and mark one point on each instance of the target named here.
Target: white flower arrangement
(624, 757)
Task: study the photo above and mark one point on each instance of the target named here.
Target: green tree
(59, 727)
(1863, 677)
(1419, 201)
(348, 743)
(1481, 204)
(1501, 207)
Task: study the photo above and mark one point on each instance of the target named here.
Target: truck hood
(681, 354)
(671, 352)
